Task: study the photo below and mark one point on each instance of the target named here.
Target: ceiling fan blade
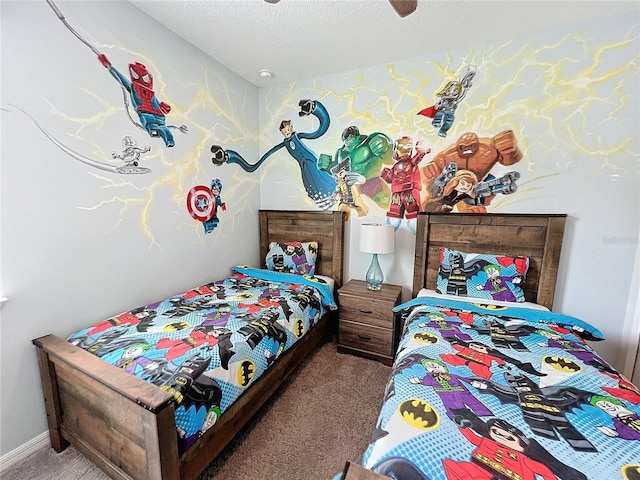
(404, 7)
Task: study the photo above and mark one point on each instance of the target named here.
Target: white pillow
(330, 281)
(425, 292)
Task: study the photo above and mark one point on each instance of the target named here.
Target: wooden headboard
(537, 236)
(326, 228)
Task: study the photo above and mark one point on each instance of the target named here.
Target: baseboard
(15, 456)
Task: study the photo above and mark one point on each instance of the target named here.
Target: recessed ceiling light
(266, 74)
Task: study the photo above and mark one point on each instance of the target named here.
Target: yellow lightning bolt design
(548, 98)
(544, 95)
(207, 95)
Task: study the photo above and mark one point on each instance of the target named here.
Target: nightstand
(366, 320)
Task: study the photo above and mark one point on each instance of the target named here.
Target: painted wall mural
(394, 156)
(166, 124)
(373, 172)
(319, 185)
(540, 113)
(138, 87)
(396, 175)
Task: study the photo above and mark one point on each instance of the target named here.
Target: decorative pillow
(292, 257)
(481, 275)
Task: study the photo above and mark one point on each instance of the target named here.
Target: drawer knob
(364, 337)
(368, 312)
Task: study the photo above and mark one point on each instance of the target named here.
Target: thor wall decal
(449, 97)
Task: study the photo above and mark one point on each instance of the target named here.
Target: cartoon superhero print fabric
(480, 275)
(486, 392)
(206, 346)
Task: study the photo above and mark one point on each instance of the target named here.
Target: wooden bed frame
(538, 236)
(125, 425)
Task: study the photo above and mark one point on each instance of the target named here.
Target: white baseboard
(23, 451)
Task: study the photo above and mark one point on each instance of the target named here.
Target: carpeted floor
(322, 416)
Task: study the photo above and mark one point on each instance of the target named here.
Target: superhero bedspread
(506, 393)
(208, 345)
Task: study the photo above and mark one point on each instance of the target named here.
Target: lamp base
(374, 275)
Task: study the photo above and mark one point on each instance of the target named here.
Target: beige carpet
(321, 417)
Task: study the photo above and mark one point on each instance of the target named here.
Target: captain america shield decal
(200, 203)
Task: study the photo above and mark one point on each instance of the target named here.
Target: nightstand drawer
(362, 310)
(365, 337)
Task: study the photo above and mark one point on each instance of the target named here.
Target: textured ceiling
(300, 39)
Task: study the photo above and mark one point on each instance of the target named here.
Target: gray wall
(79, 244)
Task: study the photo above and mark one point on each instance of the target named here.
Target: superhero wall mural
(446, 134)
(143, 114)
(398, 175)
(140, 106)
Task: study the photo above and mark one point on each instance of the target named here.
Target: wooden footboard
(121, 423)
(126, 426)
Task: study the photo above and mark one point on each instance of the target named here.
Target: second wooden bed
(538, 236)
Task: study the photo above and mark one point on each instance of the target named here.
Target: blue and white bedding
(206, 346)
(496, 392)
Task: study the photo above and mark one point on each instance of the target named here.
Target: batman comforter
(479, 392)
(206, 346)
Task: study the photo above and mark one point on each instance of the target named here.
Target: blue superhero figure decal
(319, 185)
(150, 110)
(216, 190)
(203, 203)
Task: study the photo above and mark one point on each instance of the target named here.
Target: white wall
(78, 244)
(629, 355)
(571, 98)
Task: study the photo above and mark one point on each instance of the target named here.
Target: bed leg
(51, 400)
(161, 444)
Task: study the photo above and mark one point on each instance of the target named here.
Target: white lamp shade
(376, 238)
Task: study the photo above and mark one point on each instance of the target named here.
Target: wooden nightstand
(366, 320)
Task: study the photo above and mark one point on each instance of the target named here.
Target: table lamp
(376, 238)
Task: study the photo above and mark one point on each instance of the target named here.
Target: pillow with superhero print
(292, 257)
(481, 275)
